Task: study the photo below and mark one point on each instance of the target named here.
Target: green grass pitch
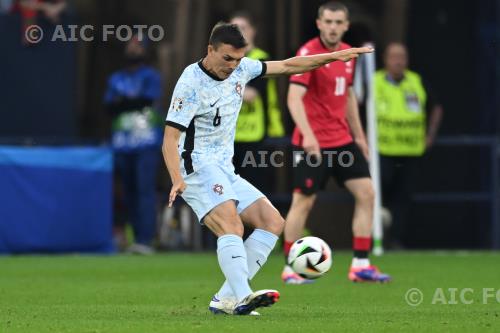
(170, 293)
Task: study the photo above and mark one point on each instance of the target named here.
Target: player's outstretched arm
(302, 64)
(172, 160)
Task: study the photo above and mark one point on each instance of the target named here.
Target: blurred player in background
(324, 107)
(131, 96)
(198, 148)
(260, 115)
(402, 103)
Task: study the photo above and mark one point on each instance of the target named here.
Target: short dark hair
(333, 6)
(225, 33)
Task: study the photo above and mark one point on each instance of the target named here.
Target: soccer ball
(310, 257)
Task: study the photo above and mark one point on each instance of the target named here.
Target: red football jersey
(326, 98)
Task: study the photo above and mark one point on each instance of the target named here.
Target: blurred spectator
(408, 118)
(30, 9)
(136, 137)
(260, 115)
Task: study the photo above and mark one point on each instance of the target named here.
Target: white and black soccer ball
(310, 257)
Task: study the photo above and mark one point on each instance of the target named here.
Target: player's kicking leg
(361, 270)
(225, 223)
(294, 228)
(257, 212)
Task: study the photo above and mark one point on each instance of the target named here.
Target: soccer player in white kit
(198, 149)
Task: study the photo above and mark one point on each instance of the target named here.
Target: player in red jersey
(329, 141)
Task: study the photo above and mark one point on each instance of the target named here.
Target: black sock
(360, 254)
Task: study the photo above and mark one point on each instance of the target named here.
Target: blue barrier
(55, 200)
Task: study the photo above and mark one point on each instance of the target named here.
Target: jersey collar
(212, 76)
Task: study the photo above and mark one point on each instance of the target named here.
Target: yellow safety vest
(400, 112)
(251, 120)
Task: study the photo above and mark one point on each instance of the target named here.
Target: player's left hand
(178, 187)
(363, 146)
(352, 53)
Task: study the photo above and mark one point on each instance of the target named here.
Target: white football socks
(233, 263)
(258, 246)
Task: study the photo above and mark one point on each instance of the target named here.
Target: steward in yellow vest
(402, 105)
(401, 115)
(259, 117)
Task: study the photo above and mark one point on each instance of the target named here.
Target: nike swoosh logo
(258, 263)
(212, 105)
(234, 257)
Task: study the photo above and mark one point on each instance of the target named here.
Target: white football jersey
(206, 109)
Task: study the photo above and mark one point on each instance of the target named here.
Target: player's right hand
(178, 187)
(311, 146)
(352, 53)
